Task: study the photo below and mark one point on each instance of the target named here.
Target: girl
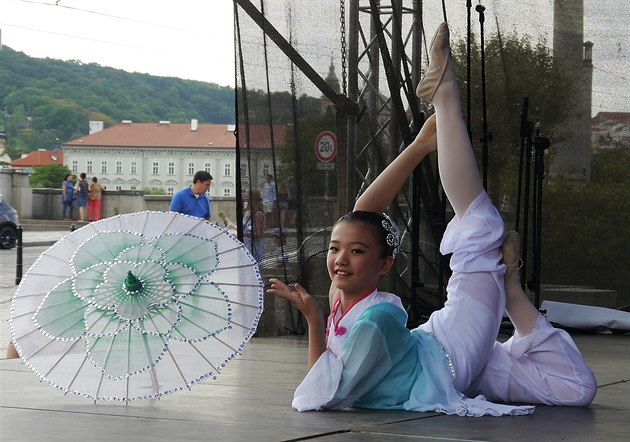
(82, 190)
(369, 359)
(95, 200)
(67, 197)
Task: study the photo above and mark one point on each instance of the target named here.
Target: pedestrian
(253, 224)
(193, 200)
(283, 203)
(292, 200)
(269, 198)
(366, 357)
(67, 197)
(95, 200)
(82, 189)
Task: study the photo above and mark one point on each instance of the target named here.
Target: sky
(194, 39)
(191, 39)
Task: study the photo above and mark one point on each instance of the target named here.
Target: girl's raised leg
(456, 160)
(468, 323)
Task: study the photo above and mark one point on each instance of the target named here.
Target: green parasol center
(132, 284)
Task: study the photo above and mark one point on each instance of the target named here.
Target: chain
(344, 73)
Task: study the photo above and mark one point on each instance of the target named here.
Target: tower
(572, 159)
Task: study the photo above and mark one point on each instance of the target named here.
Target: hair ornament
(393, 234)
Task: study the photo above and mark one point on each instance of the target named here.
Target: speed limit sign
(326, 146)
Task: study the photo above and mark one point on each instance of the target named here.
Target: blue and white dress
(453, 362)
(374, 361)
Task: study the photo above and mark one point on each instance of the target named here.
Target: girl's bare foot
(519, 308)
(511, 251)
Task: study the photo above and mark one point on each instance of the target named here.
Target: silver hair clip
(393, 237)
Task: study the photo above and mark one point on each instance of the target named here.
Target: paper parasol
(137, 306)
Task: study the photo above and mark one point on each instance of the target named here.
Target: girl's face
(354, 259)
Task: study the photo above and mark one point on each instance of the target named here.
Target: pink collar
(340, 331)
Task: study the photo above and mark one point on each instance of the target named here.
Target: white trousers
(543, 367)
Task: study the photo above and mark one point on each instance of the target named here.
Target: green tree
(157, 191)
(48, 99)
(586, 240)
(49, 176)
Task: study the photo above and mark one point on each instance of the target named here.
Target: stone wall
(15, 188)
(46, 204)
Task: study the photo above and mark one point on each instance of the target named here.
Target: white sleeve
(336, 382)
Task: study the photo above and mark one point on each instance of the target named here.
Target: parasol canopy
(137, 306)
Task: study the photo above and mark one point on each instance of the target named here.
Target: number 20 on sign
(326, 146)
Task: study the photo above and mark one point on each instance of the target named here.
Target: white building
(138, 156)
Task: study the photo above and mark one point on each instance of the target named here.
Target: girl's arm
(309, 307)
(384, 188)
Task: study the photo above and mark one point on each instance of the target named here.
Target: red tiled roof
(260, 135)
(617, 117)
(176, 136)
(39, 158)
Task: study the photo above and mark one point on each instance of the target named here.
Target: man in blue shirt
(193, 199)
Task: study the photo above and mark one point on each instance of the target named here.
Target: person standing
(67, 196)
(81, 188)
(292, 201)
(269, 197)
(193, 200)
(283, 203)
(253, 224)
(95, 200)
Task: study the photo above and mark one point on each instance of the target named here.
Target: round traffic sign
(326, 146)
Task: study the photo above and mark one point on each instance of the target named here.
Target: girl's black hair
(375, 220)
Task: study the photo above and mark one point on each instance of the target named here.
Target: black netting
(348, 67)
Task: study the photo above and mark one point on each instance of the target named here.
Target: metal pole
(353, 91)
(19, 261)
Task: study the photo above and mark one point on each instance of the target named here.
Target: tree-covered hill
(47, 101)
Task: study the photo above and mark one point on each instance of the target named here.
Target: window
(134, 168)
(118, 188)
(132, 187)
(170, 191)
(243, 170)
(171, 168)
(227, 169)
(266, 170)
(191, 168)
(118, 167)
(89, 166)
(227, 192)
(207, 167)
(103, 166)
(75, 166)
(156, 168)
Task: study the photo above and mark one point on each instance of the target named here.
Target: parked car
(8, 225)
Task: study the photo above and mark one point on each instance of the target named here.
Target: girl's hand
(299, 297)
(427, 137)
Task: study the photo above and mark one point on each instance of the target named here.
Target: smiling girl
(366, 357)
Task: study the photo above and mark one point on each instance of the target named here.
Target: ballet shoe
(441, 67)
(511, 251)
